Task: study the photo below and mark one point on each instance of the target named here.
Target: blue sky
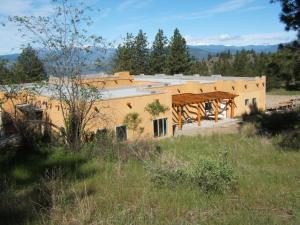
(227, 22)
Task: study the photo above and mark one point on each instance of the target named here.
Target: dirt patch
(229, 127)
(273, 101)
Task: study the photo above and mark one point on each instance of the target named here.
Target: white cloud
(11, 39)
(226, 7)
(25, 7)
(16, 7)
(229, 6)
(133, 3)
(242, 40)
(253, 8)
(105, 12)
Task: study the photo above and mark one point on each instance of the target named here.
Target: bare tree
(67, 45)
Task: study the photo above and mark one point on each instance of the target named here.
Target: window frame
(126, 133)
(161, 127)
(247, 101)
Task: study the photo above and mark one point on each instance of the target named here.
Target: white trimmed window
(121, 133)
(246, 101)
(160, 127)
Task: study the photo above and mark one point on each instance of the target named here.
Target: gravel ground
(274, 100)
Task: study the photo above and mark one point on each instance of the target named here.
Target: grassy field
(282, 91)
(55, 187)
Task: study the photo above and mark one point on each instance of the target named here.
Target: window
(254, 101)
(247, 101)
(208, 106)
(160, 127)
(121, 133)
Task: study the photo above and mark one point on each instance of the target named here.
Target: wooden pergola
(179, 101)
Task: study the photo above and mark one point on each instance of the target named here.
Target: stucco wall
(114, 110)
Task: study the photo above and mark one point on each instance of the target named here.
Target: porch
(190, 108)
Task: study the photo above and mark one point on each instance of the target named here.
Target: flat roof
(159, 80)
(49, 90)
(182, 79)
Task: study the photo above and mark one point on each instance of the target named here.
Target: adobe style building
(190, 99)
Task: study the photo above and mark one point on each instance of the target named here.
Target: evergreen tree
(123, 60)
(140, 54)
(178, 57)
(240, 63)
(158, 54)
(28, 68)
(290, 14)
(198, 67)
(5, 75)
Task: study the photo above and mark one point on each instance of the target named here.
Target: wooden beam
(216, 111)
(179, 110)
(199, 115)
(232, 108)
(227, 108)
(189, 98)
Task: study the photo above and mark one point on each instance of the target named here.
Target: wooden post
(179, 110)
(199, 115)
(232, 108)
(227, 108)
(216, 111)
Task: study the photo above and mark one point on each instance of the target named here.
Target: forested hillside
(282, 67)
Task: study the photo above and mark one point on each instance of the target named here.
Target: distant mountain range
(199, 52)
(10, 58)
(202, 51)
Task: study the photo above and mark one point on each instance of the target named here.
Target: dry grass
(97, 190)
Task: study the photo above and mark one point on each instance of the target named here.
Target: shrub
(212, 176)
(208, 175)
(249, 129)
(167, 176)
(111, 149)
(132, 121)
(155, 108)
(291, 140)
(279, 122)
(168, 171)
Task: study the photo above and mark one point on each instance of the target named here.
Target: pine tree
(158, 57)
(198, 67)
(240, 63)
(28, 68)
(140, 54)
(178, 57)
(5, 75)
(290, 14)
(123, 58)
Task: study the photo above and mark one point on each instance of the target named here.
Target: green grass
(282, 91)
(91, 190)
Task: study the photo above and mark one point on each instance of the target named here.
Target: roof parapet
(178, 75)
